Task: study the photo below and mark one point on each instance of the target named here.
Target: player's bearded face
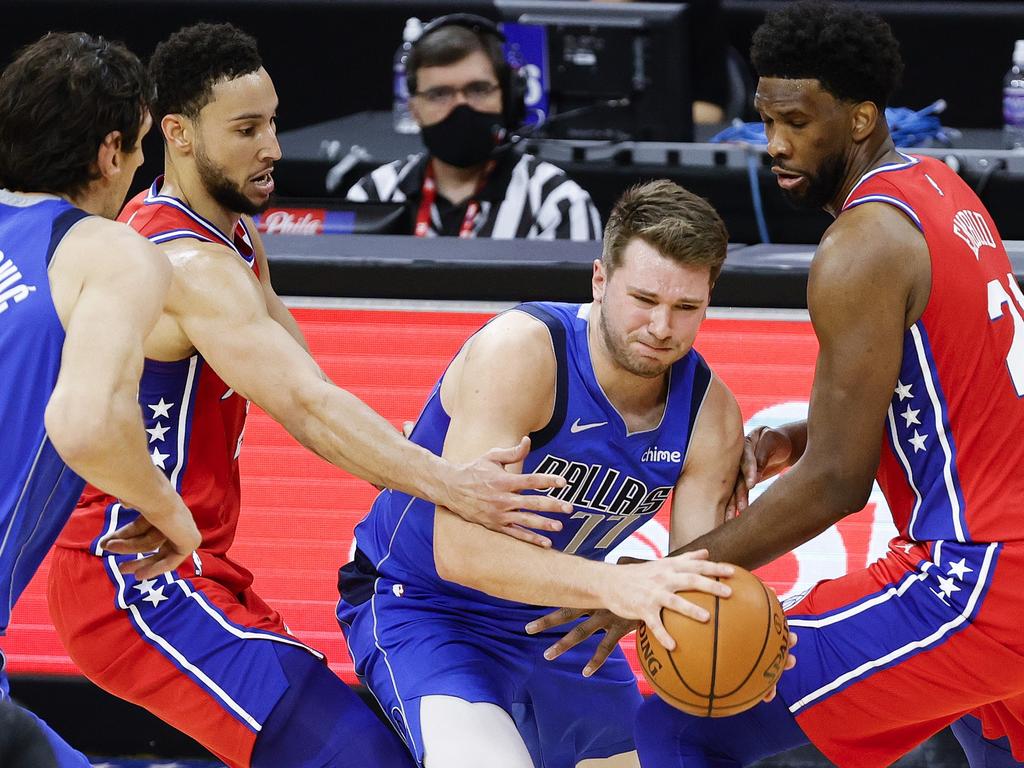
(221, 188)
(821, 185)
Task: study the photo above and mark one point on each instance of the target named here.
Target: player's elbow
(75, 429)
(843, 491)
(450, 564)
(454, 563)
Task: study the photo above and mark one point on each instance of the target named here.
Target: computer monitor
(580, 56)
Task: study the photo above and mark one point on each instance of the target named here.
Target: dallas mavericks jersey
(37, 490)
(616, 480)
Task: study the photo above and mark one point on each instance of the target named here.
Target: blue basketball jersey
(37, 490)
(616, 479)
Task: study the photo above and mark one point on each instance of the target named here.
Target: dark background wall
(333, 57)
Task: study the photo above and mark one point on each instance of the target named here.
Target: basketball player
(619, 403)
(199, 648)
(78, 293)
(918, 379)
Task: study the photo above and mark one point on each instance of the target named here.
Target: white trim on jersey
(175, 203)
(177, 234)
(376, 636)
(241, 634)
(14, 515)
(859, 608)
(894, 201)
(183, 413)
(924, 642)
(43, 515)
(909, 161)
(173, 652)
(898, 449)
(937, 410)
(111, 527)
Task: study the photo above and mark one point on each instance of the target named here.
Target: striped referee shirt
(523, 198)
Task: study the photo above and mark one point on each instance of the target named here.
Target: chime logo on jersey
(604, 489)
(11, 287)
(655, 455)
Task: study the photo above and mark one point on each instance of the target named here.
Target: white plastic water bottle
(1013, 100)
(403, 120)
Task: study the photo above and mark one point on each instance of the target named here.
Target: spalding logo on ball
(726, 665)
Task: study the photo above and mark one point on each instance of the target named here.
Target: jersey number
(997, 297)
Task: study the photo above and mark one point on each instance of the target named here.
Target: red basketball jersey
(952, 452)
(193, 420)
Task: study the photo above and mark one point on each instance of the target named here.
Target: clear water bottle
(1013, 100)
(402, 117)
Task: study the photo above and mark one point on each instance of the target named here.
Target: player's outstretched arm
(222, 309)
(109, 288)
(860, 294)
(275, 307)
(487, 408)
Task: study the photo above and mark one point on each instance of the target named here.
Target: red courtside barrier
(299, 511)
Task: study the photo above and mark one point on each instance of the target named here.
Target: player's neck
(865, 158)
(454, 183)
(189, 188)
(640, 400)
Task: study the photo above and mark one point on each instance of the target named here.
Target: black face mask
(465, 138)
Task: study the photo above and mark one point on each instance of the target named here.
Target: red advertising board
(299, 511)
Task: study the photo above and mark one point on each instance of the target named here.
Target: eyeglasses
(476, 92)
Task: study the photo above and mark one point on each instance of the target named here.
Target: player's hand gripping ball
(726, 665)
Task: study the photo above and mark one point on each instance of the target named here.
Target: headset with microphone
(512, 80)
(513, 84)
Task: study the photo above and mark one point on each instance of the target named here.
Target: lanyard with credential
(429, 194)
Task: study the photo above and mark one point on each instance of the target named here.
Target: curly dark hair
(59, 99)
(851, 52)
(187, 65)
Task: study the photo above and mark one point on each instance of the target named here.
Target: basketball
(726, 665)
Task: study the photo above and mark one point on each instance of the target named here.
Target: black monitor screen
(620, 69)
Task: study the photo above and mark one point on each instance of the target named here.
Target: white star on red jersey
(911, 416)
(156, 596)
(159, 458)
(157, 432)
(959, 569)
(161, 409)
(145, 586)
(902, 390)
(947, 587)
(918, 441)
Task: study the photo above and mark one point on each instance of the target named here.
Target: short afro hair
(851, 52)
(187, 65)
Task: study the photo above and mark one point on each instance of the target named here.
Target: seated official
(468, 183)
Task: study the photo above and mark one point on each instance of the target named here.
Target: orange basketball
(726, 665)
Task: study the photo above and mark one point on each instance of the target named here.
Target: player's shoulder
(869, 239)
(102, 245)
(514, 336)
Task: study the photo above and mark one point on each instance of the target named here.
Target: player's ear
(864, 119)
(108, 156)
(177, 131)
(599, 280)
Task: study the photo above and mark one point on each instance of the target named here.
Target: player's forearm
(795, 509)
(500, 566)
(345, 431)
(102, 439)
